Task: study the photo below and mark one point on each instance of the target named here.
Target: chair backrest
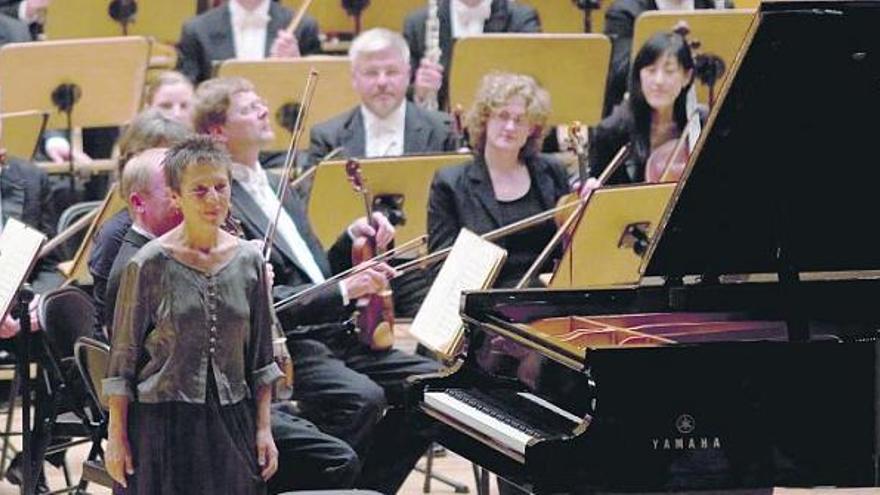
(66, 314)
(68, 217)
(92, 360)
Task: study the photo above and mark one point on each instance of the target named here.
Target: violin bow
(290, 160)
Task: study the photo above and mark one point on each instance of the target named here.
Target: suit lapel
(222, 45)
(276, 23)
(353, 137)
(415, 133)
(13, 194)
(444, 14)
(254, 220)
(499, 19)
(296, 211)
(482, 189)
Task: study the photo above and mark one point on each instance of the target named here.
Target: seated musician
(30, 12)
(149, 129)
(384, 124)
(620, 21)
(342, 385)
(171, 93)
(654, 113)
(25, 195)
(459, 19)
(244, 30)
(307, 458)
(507, 180)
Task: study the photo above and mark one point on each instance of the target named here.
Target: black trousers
(356, 394)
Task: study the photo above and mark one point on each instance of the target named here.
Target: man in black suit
(242, 29)
(342, 386)
(307, 458)
(458, 19)
(384, 124)
(32, 14)
(620, 21)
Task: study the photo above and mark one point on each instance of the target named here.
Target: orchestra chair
(577, 87)
(389, 15)
(404, 181)
(92, 360)
(720, 32)
(22, 131)
(63, 408)
(68, 217)
(76, 270)
(281, 83)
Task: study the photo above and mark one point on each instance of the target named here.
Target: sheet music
(19, 246)
(472, 264)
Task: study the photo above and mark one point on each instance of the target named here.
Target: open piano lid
(786, 175)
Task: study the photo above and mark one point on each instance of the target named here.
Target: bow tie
(252, 20)
(473, 15)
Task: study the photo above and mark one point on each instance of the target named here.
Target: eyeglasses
(257, 105)
(520, 120)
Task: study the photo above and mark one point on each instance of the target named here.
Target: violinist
(342, 385)
(655, 112)
(507, 179)
(171, 93)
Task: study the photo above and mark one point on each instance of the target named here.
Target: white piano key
(480, 421)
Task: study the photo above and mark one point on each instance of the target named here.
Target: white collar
(238, 12)
(253, 176)
(142, 231)
(395, 121)
(675, 4)
(470, 19)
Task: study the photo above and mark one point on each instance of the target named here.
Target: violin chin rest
(382, 338)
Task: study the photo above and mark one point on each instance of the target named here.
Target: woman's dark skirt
(182, 448)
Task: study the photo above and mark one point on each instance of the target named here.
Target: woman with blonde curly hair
(507, 180)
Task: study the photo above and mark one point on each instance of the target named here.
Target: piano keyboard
(513, 419)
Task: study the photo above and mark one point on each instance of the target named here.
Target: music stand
(19, 248)
(612, 235)
(160, 19)
(577, 86)
(330, 16)
(333, 205)
(80, 83)
(22, 131)
(720, 32)
(281, 83)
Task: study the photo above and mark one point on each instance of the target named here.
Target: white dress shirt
(384, 137)
(675, 5)
(468, 21)
(254, 181)
(249, 30)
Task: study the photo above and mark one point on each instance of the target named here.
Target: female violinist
(655, 112)
(507, 179)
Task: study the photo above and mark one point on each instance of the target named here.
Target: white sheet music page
(19, 246)
(472, 264)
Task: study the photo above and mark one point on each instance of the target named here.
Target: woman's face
(663, 81)
(175, 102)
(508, 127)
(204, 196)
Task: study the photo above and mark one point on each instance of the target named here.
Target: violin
(667, 162)
(578, 141)
(374, 314)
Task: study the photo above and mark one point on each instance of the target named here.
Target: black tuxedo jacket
(131, 243)
(27, 196)
(506, 17)
(425, 132)
(208, 38)
(321, 307)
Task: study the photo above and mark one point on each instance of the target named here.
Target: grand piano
(746, 357)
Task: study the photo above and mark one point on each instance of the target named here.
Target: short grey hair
(375, 40)
(138, 173)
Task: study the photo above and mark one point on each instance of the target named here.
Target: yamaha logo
(685, 424)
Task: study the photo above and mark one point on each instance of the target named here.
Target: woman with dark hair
(507, 180)
(655, 112)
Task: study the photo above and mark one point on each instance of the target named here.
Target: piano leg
(430, 474)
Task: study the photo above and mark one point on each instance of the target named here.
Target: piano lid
(788, 171)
